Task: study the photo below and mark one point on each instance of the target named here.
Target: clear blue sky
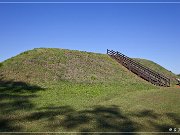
(150, 31)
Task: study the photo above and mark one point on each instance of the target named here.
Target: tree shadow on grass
(15, 96)
(156, 120)
(174, 117)
(17, 86)
(49, 113)
(7, 125)
(9, 104)
(147, 113)
(101, 119)
(97, 119)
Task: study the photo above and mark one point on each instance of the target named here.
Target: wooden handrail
(141, 70)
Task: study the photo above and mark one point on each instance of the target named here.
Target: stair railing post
(117, 53)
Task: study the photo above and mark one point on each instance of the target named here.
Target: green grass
(82, 107)
(63, 90)
(47, 65)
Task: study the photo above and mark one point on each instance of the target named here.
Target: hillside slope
(156, 67)
(47, 65)
(56, 90)
(50, 65)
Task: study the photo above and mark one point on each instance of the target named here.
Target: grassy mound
(55, 90)
(41, 66)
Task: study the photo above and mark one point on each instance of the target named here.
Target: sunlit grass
(63, 90)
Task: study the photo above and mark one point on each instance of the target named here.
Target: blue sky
(150, 31)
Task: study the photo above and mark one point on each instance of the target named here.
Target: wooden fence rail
(139, 69)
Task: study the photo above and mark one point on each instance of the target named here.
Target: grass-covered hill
(42, 65)
(56, 90)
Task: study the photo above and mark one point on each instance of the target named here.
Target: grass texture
(57, 90)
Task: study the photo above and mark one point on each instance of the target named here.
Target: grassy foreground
(79, 107)
(64, 91)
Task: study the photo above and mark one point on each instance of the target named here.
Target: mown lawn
(48, 89)
(88, 107)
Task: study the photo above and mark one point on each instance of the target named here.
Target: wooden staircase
(139, 69)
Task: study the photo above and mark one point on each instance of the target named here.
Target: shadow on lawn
(14, 96)
(101, 119)
(97, 119)
(17, 86)
(17, 96)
